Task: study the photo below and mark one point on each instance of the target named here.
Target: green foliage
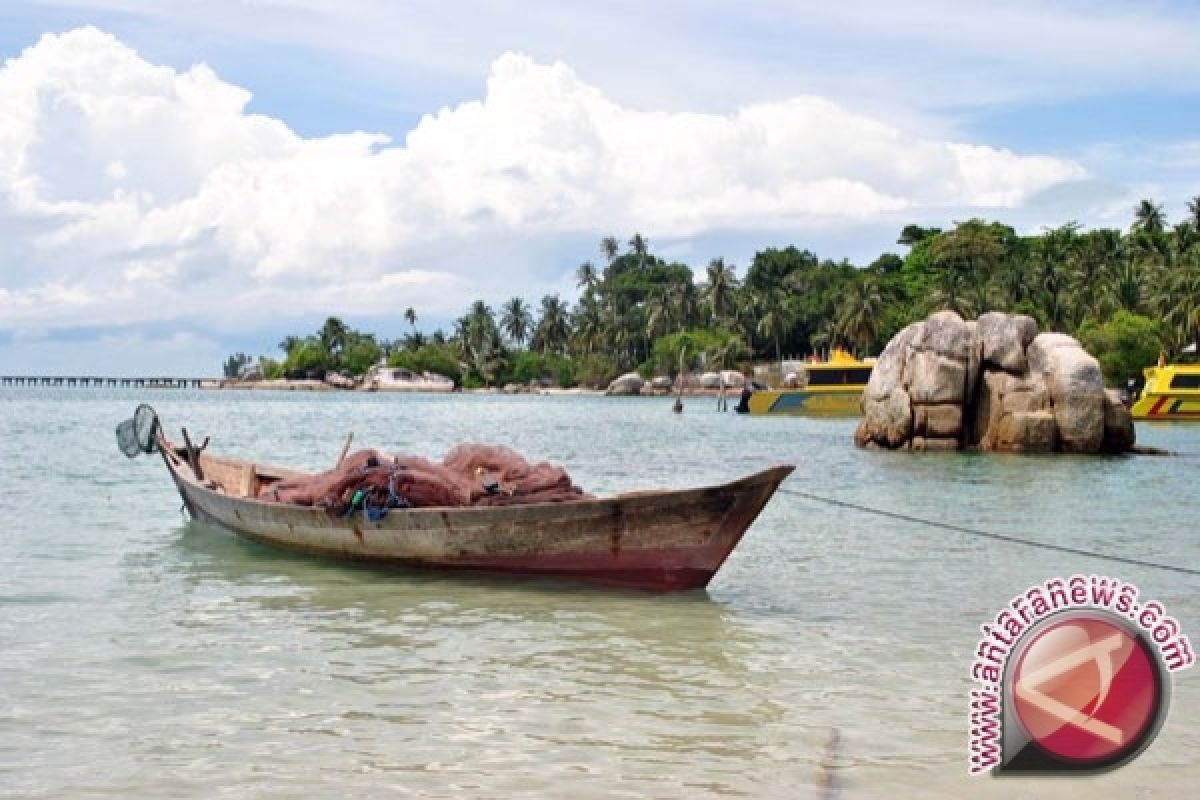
(1124, 345)
(441, 359)
(308, 355)
(271, 369)
(595, 370)
(527, 367)
(233, 364)
(711, 348)
(361, 353)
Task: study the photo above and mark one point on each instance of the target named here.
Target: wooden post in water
(678, 406)
(345, 449)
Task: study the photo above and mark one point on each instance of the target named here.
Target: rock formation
(628, 384)
(993, 384)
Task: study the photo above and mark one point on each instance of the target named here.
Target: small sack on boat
(469, 475)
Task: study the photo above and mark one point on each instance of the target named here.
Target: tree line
(1129, 295)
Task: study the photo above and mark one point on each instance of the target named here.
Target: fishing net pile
(469, 475)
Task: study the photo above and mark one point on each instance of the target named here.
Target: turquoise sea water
(142, 655)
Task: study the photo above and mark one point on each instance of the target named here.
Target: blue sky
(357, 157)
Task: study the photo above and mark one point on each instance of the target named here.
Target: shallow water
(145, 656)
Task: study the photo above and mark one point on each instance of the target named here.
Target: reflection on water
(146, 656)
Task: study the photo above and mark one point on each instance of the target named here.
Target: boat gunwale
(181, 471)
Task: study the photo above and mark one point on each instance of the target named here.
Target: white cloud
(137, 193)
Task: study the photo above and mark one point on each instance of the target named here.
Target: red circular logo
(1086, 690)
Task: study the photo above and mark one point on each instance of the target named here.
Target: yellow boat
(1172, 391)
(832, 387)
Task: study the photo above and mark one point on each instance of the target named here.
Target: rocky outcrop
(661, 383)
(628, 384)
(993, 384)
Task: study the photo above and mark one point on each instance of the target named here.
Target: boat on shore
(832, 387)
(1172, 391)
(660, 540)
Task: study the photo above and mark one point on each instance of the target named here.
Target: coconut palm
(588, 324)
(333, 336)
(516, 320)
(1149, 217)
(585, 276)
(774, 322)
(553, 328)
(289, 343)
(1124, 288)
(719, 291)
(1179, 300)
(480, 340)
(411, 316)
(610, 247)
(640, 246)
(861, 311)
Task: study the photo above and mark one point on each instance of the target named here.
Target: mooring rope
(999, 537)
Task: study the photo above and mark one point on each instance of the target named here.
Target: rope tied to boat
(992, 535)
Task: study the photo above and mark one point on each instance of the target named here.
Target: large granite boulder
(1004, 338)
(710, 380)
(1076, 390)
(994, 384)
(888, 422)
(1119, 436)
(628, 384)
(661, 383)
(935, 378)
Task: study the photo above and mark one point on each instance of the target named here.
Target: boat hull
(1172, 392)
(660, 540)
(837, 402)
(1166, 407)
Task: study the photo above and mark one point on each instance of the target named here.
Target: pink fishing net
(469, 475)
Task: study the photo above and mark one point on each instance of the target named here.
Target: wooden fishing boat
(661, 540)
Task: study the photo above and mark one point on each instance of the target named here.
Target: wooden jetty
(100, 382)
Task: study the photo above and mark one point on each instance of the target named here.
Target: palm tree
(1097, 255)
(553, 330)
(861, 312)
(640, 245)
(1149, 217)
(1179, 300)
(480, 340)
(1124, 287)
(411, 316)
(720, 288)
(1193, 207)
(516, 320)
(610, 248)
(333, 336)
(1056, 255)
(773, 324)
(289, 343)
(585, 276)
(659, 315)
(588, 323)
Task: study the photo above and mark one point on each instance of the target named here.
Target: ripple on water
(146, 656)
